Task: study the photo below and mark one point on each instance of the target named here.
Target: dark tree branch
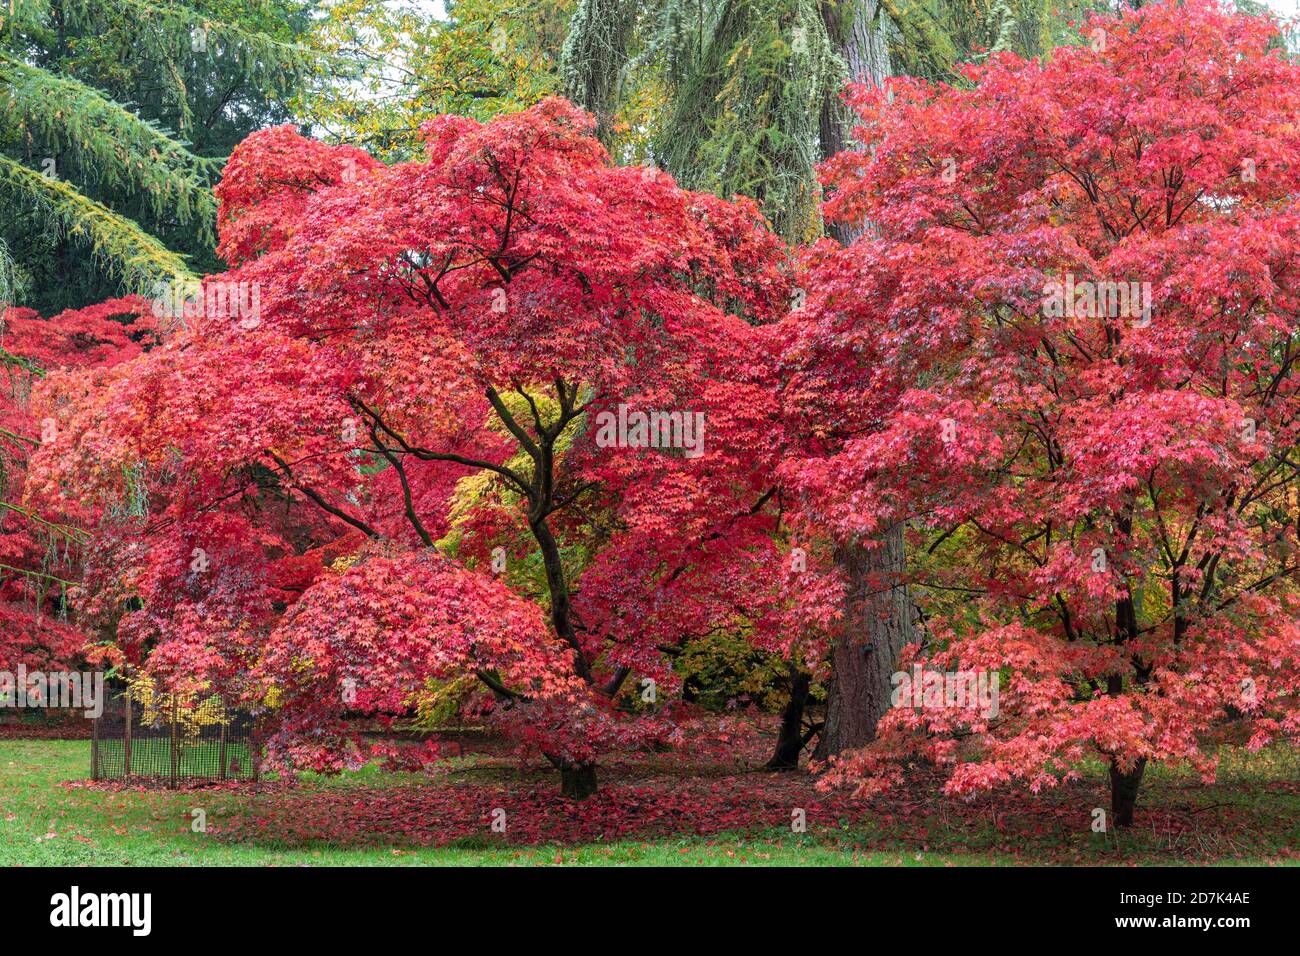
(321, 502)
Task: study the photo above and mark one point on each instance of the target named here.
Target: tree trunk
(1124, 791)
(789, 742)
(877, 623)
(1124, 786)
(875, 627)
(855, 34)
(578, 781)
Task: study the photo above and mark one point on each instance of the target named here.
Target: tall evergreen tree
(117, 116)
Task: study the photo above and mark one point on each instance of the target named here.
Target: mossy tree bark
(878, 617)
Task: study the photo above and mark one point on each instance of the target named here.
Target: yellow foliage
(191, 712)
(438, 704)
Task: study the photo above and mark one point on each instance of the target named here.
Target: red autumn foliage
(39, 546)
(1062, 354)
(1109, 489)
(332, 479)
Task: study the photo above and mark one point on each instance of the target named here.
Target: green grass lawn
(45, 822)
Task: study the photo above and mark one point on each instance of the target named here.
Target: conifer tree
(84, 172)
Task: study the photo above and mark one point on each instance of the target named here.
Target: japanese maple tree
(388, 472)
(1067, 344)
(40, 543)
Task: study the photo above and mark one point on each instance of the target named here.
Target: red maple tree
(395, 461)
(1068, 343)
(40, 546)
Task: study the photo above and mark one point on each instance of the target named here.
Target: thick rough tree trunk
(855, 32)
(790, 740)
(875, 626)
(877, 623)
(578, 781)
(1124, 791)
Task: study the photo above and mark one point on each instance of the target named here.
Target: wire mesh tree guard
(168, 742)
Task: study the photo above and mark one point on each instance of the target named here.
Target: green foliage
(121, 113)
(12, 280)
(595, 55)
(109, 142)
(25, 15)
(746, 119)
(405, 66)
(441, 703)
(728, 93)
(724, 669)
(118, 245)
(169, 33)
(931, 38)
